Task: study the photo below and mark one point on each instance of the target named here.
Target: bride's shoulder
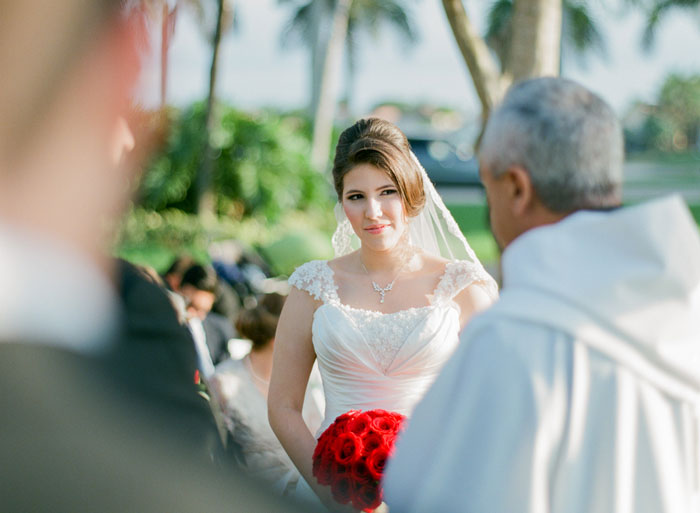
(314, 277)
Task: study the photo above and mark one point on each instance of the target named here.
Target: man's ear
(519, 189)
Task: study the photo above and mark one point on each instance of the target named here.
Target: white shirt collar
(52, 295)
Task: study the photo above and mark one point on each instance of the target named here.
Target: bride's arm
(471, 300)
(293, 359)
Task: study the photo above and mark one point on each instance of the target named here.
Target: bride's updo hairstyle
(381, 144)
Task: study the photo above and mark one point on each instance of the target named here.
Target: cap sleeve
(316, 278)
(459, 274)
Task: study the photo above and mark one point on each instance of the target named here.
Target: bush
(261, 169)
(156, 238)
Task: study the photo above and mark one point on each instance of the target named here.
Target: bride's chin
(380, 245)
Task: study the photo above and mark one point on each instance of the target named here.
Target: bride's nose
(373, 209)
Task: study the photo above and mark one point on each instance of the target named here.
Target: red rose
(376, 461)
(359, 424)
(346, 416)
(371, 441)
(347, 448)
(324, 476)
(367, 497)
(328, 456)
(320, 447)
(378, 413)
(360, 472)
(342, 488)
(384, 425)
(398, 418)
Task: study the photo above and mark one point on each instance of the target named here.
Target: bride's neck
(391, 260)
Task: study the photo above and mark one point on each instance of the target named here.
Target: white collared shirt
(52, 295)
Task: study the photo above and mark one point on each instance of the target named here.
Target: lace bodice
(317, 278)
(369, 359)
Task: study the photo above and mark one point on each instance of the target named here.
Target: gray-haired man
(579, 390)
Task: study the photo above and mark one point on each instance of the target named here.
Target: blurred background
(248, 97)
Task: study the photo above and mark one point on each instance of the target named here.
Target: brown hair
(260, 323)
(381, 144)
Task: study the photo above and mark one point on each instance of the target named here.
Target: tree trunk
(167, 30)
(535, 48)
(536, 39)
(205, 194)
(488, 81)
(318, 47)
(328, 93)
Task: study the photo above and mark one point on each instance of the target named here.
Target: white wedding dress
(370, 359)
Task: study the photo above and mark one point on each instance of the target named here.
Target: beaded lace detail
(384, 333)
(316, 278)
(458, 275)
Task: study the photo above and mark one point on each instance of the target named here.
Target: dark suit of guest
(74, 440)
(154, 357)
(218, 330)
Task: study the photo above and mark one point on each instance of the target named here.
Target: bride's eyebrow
(380, 188)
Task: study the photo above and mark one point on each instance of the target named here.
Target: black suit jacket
(74, 440)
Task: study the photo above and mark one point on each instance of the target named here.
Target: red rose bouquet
(351, 453)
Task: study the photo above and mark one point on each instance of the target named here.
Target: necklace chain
(377, 288)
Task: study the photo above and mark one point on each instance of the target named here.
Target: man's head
(551, 148)
(198, 286)
(68, 70)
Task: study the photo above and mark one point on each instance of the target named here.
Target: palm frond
(583, 33)
(655, 14)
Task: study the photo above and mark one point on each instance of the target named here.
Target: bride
(384, 315)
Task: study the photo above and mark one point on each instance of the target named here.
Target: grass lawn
(473, 221)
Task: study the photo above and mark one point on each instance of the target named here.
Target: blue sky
(256, 71)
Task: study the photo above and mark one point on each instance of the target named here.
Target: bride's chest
(384, 340)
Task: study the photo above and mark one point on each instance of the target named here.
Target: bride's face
(373, 206)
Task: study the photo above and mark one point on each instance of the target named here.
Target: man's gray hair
(567, 139)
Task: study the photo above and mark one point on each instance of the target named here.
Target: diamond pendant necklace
(382, 290)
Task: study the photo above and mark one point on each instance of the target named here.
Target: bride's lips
(376, 228)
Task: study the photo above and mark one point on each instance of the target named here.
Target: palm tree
(166, 12)
(168, 19)
(222, 21)
(533, 49)
(580, 32)
(656, 10)
(326, 27)
(369, 17)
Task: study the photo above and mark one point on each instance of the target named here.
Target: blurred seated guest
(173, 276)
(241, 386)
(211, 331)
(155, 356)
(227, 301)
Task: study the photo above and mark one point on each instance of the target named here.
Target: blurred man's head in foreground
(68, 70)
(551, 148)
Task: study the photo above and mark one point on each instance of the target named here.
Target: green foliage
(156, 238)
(673, 124)
(261, 169)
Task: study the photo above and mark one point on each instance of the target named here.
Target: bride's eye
(386, 192)
(354, 197)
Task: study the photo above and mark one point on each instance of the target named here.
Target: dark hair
(200, 277)
(380, 143)
(181, 264)
(260, 323)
